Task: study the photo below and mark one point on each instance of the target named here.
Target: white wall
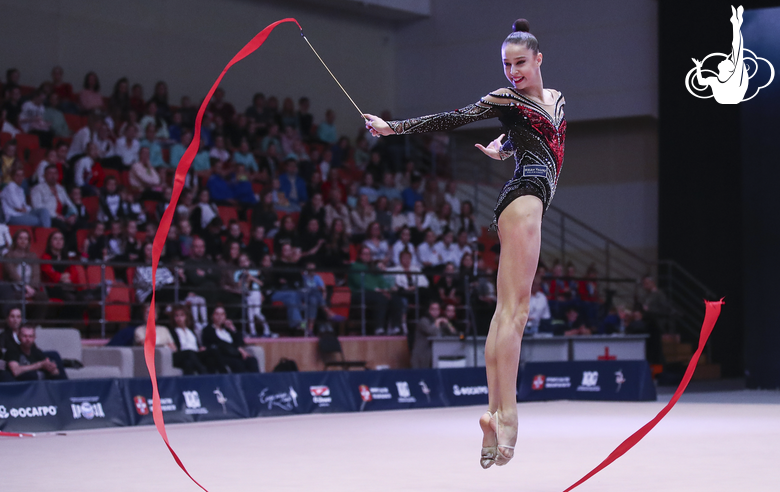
(602, 54)
(188, 42)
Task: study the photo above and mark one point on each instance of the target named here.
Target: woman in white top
(380, 251)
(191, 357)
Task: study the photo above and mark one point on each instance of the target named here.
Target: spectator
(314, 209)
(368, 189)
(374, 289)
(263, 214)
(485, 301)
(449, 287)
(655, 304)
(32, 119)
(326, 131)
(404, 243)
(79, 211)
(58, 278)
(175, 129)
(95, 246)
(222, 335)
(305, 119)
(290, 141)
(314, 295)
(398, 219)
(10, 334)
(272, 138)
(152, 119)
(221, 107)
(312, 242)
(243, 155)
(50, 160)
(188, 112)
(144, 178)
(288, 234)
(388, 188)
(427, 253)
(13, 105)
(538, 308)
(160, 99)
(384, 217)
(52, 196)
(336, 209)
(433, 197)
(120, 98)
(163, 336)
(287, 284)
(449, 321)
(86, 174)
(428, 326)
(462, 246)
(89, 98)
(60, 87)
(419, 221)
(151, 142)
(411, 285)
(219, 153)
(250, 283)
(15, 207)
(84, 136)
(412, 194)
(448, 251)
(337, 246)
(573, 323)
(190, 356)
(128, 146)
(256, 111)
(185, 238)
(380, 251)
(465, 220)
(257, 248)
(54, 117)
(213, 238)
(165, 280)
(450, 195)
(177, 150)
(5, 125)
(201, 164)
(9, 162)
(292, 185)
(361, 155)
(26, 362)
(22, 280)
(137, 104)
(362, 217)
(200, 275)
(341, 152)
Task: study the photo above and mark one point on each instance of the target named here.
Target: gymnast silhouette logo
(730, 84)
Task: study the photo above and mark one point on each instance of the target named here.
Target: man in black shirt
(26, 362)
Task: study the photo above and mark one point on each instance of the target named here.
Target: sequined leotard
(533, 136)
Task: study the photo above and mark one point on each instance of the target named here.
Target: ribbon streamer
(165, 224)
(15, 434)
(710, 317)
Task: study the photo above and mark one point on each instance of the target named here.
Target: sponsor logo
(590, 381)
(535, 171)
(469, 390)
(192, 402)
(320, 395)
(380, 393)
(286, 400)
(425, 389)
(87, 408)
(221, 399)
(538, 383)
(365, 393)
(554, 382)
(28, 412)
(140, 405)
(619, 379)
(404, 393)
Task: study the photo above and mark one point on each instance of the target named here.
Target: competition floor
(711, 441)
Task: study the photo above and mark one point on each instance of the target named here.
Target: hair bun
(521, 25)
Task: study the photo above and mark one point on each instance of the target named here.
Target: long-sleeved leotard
(533, 136)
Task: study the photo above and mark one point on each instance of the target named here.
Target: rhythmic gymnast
(534, 125)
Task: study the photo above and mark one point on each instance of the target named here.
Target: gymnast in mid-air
(535, 129)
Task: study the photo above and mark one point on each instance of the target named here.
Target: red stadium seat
(150, 206)
(246, 230)
(25, 143)
(94, 277)
(4, 137)
(227, 213)
(118, 304)
(270, 243)
(327, 278)
(42, 233)
(341, 300)
(13, 229)
(92, 204)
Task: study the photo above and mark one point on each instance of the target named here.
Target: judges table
(454, 352)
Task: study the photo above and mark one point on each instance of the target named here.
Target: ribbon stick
(165, 224)
(710, 317)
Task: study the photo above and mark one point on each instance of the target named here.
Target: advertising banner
(324, 392)
(273, 394)
(186, 399)
(29, 407)
(587, 380)
(464, 386)
(392, 390)
(89, 403)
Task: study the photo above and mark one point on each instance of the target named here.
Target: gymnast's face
(521, 66)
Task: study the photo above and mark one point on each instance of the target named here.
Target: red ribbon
(165, 225)
(710, 317)
(14, 434)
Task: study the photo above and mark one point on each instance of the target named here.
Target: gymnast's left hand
(493, 148)
(377, 126)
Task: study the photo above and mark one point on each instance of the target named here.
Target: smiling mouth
(517, 81)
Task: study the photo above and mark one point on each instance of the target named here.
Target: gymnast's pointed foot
(506, 437)
(489, 442)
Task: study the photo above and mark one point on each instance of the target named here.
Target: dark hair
(63, 251)
(181, 307)
(97, 81)
(521, 34)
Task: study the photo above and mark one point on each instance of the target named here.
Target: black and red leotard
(535, 138)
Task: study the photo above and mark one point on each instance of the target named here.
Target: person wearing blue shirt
(412, 194)
(326, 131)
(244, 156)
(292, 185)
(155, 150)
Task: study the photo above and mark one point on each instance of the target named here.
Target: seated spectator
(375, 289)
(58, 278)
(367, 188)
(314, 209)
(449, 288)
(292, 185)
(107, 150)
(52, 196)
(10, 334)
(249, 281)
(203, 213)
(5, 125)
(257, 248)
(222, 335)
(305, 119)
(485, 298)
(388, 188)
(336, 209)
(219, 186)
(32, 119)
(163, 336)
(462, 245)
(15, 207)
(128, 146)
(375, 242)
(263, 214)
(290, 140)
(412, 194)
(160, 99)
(538, 308)
(419, 221)
(312, 241)
(398, 219)
(213, 238)
(201, 276)
(13, 105)
(26, 362)
(160, 126)
(89, 99)
(120, 98)
(84, 136)
(384, 217)
(137, 104)
(287, 283)
(465, 220)
(190, 356)
(50, 160)
(5, 239)
(177, 150)
(337, 246)
(59, 86)
(243, 155)
(86, 173)
(9, 162)
(201, 164)
(450, 196)
(22, 280)
(95, 246)
(432, 196)
(144, 179)
(151, 142)
(449, 321)
(271, 139)
(331, 180)
(361, 154)
(220, 107)
(361, 217)
(314, 296)
(429, 325)
(428, 255)
(448, 251)
(218, 152)
(326, 130)
(287, 234)
(165, 280)
(410, 284)
(404, 243)
(353, 197)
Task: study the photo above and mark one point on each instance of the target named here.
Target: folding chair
(330, 349)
